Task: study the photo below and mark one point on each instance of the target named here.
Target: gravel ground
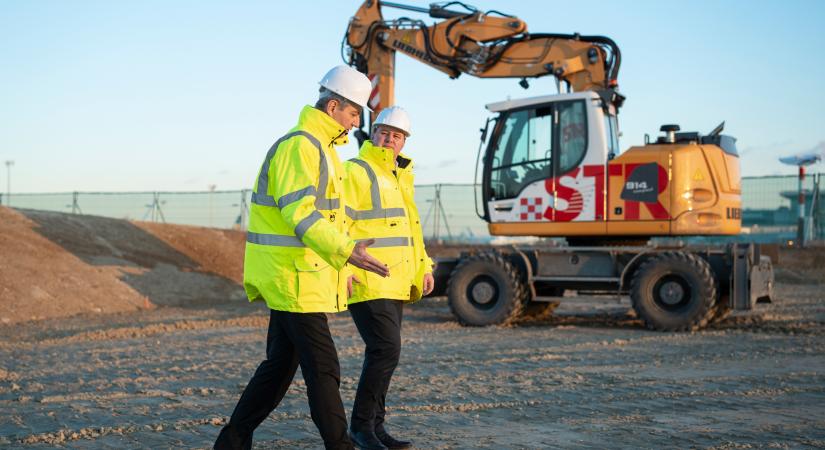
(589, 377)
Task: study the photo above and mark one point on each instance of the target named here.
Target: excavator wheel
(674, 291)
(485, 289)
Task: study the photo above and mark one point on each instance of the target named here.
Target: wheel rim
(672, 292)
(483, 292)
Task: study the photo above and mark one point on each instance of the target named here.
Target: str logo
(642, 183)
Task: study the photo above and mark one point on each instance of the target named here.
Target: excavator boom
(482, 44)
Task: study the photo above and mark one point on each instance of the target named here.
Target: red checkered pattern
(531, 208)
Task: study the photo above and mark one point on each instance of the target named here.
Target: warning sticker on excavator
(698, 175)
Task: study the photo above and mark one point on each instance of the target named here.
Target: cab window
(612, 130)
(523, 152)
(573, 135)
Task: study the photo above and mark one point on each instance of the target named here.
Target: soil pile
(56, 265)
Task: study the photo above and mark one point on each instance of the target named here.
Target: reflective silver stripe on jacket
(321, 202)
(390, 242)
(260, 196)
(273, 239)
(293, 197)
(307, 222)
(377, 212)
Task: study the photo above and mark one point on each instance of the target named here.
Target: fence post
(156, 211)
(814, 224)
(244, 210)
(800, 229)
(437, 208)
(444, 214)
(75, 204)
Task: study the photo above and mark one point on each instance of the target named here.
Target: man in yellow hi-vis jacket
(380, 204)
(296, 259)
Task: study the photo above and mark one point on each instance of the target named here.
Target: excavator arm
(483, 44)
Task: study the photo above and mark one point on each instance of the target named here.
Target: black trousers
(379, 323)
(293, 339)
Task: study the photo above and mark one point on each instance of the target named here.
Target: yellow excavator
(552, 167)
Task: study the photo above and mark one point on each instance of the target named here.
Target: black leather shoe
(391, 442)
(366, 440)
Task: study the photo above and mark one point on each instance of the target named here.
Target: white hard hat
(396, 117)
(348, 83)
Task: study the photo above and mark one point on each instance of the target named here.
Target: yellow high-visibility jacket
(381, 206)
(297, 245)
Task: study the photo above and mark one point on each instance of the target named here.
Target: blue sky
(178, 95)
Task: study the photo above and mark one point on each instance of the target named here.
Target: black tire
(485, 289)
(674, 291)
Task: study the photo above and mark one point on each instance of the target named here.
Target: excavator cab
(534, 143)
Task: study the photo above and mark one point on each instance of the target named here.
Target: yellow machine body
(697, 192)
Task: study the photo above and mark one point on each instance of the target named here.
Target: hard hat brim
(362, 106)
(375, 125)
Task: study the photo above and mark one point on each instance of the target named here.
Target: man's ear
(331, 105)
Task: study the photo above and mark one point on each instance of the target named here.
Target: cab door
(520, 158)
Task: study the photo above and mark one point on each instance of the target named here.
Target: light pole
(9, 163)
(803, 222)
(211, 191)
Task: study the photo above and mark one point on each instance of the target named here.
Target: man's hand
(361, 259)
(351, 279)
(429, 283)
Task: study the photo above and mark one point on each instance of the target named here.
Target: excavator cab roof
(508, 105)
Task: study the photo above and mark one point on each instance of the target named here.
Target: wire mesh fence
(448, 211)
(219, 209)
(770, 206)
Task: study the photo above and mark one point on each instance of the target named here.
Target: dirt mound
(56, 265)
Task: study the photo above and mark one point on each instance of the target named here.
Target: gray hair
(325, 96)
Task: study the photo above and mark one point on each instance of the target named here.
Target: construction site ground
(162, 363)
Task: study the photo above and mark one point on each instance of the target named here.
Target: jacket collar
(322, 126)
(383, 157)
